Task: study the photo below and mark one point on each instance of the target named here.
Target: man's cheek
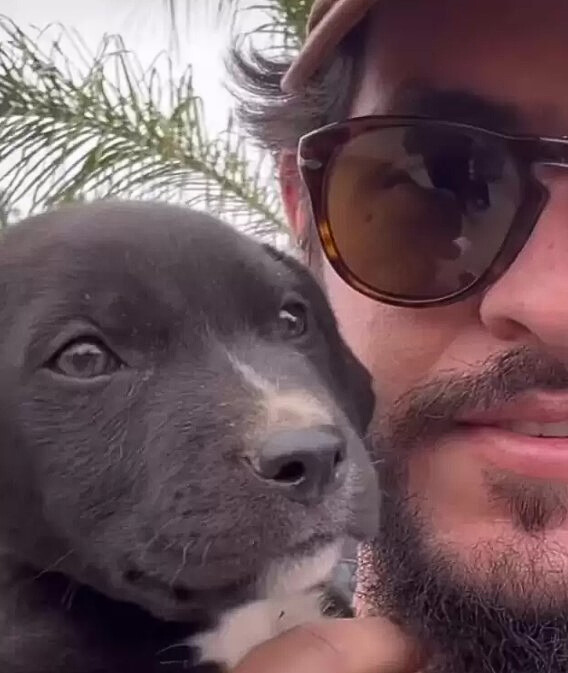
(355, 312)
(401, 347)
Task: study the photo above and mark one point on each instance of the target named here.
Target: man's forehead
(495, 63)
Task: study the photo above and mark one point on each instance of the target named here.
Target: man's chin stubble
(504, 610)
(493, 613)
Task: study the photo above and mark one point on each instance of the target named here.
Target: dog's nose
(304, 463)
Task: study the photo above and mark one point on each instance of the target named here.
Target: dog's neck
(51, 625)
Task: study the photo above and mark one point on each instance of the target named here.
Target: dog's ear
(356, 379)
(298, 268)
(276, 254)
(361, 400)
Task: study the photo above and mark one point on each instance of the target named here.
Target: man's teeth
(539, 429)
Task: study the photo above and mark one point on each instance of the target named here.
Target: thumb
(367, 645)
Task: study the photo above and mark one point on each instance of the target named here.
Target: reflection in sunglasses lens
(420, 211)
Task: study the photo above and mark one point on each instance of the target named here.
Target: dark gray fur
(127, 519)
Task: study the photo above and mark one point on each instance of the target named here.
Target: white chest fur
(242, 629)
(286, 600)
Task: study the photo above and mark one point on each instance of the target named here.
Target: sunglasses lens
(420, 212)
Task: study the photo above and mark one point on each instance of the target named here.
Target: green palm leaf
(286, 19)
(107, 128)
(285, 24)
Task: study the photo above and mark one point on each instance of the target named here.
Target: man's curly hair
(274, 120)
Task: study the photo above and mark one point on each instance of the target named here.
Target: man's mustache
(430, 410)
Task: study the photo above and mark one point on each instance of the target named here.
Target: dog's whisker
(171, 544)
(172, 646)
(175, 646)
(53, 566)
(206, 552)
(181, 565)
(69, 595)
(153, 539)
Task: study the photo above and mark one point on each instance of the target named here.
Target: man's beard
(511, 620)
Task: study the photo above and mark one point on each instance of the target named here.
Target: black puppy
(179, 451)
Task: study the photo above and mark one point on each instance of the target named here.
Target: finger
(370, 645)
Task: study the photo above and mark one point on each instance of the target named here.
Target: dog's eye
(293, 319)
(85, 359)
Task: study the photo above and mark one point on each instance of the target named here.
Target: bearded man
(423, 154)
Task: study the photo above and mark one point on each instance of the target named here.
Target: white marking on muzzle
(283, 409)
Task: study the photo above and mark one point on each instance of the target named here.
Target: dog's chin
(290, 592)
(224, 586)
(300, 571)
(181, 600)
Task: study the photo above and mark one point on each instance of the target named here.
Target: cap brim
(323, 39)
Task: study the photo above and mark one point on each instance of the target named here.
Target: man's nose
(530, 301)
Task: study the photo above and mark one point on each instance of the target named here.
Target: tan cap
(328, 23)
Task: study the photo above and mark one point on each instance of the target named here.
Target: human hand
(366, 645)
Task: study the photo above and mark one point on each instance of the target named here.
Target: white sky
(145, 28)
(144, 25)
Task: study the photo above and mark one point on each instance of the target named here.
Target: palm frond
(8, 213)
(182, 13)
(107, 128)
(284, 24)
(286, 19)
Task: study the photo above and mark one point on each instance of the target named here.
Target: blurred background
(128, 98)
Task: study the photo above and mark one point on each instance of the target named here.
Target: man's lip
(488, 436)
(534, 457)
(534, 407)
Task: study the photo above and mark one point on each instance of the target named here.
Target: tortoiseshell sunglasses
(422, 212)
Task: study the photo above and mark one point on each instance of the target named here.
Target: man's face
(475, 536)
